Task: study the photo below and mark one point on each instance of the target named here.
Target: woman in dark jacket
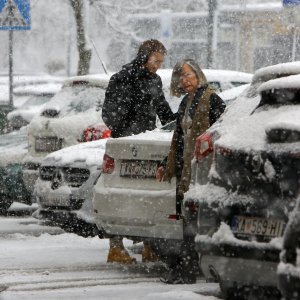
(198, 110)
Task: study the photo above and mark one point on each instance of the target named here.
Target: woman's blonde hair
(176, 90)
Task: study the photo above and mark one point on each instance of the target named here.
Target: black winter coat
(133, 99)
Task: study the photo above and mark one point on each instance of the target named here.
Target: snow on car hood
(89, 154)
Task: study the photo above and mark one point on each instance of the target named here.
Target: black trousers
(186, 264)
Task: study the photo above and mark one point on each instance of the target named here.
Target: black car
(253, 186)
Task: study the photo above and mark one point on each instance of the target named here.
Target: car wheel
(4, 205)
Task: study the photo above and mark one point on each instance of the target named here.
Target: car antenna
(102, 63)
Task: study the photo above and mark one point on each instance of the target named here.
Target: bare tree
(84, 51)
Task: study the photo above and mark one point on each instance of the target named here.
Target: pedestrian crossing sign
(14, 14)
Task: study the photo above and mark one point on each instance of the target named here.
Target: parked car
(253, 186)
(128, 201)
(62, 120)
(20, 84)
(289, 270)
(65, 184)
(13, 148)
(37, 95)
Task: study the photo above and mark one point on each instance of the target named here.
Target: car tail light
(203, 146)
(95, 133)
(108, 164)
(191, 206)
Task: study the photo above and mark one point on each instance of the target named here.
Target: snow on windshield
(75, 99)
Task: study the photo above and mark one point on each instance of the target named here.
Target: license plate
(144, 169)
(48, 144)
(257, 226)
(59, 202)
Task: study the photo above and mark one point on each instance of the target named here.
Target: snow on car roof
(38, 89)
(92, 79)
(233, 93)
(19, 80)
(213, 75)
(88, 153)
(289, 82)
(227, 75)
(275, 71)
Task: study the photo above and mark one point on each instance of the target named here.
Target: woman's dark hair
(150, 46)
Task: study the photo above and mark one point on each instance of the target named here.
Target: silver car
(64, 188)
(62, 120)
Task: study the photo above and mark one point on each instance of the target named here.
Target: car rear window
(280, 97)
(78, 98)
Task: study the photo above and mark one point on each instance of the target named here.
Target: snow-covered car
(64, 188)
(38, 95)
(13, 148)
(63, 119)
(127, 200)
(254, 183)
(289, 270)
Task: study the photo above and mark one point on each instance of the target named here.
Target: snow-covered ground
(42, 262)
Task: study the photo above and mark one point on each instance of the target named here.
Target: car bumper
(137, 213)
(69, 221)
(242, 264)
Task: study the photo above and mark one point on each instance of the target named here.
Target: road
(42, 262)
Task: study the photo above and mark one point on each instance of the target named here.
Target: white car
(128, 201)
(37, 95)
(62, 120)
(64, 188)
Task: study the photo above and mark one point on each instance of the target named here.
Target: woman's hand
(160, 173)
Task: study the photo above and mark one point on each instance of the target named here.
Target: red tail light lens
(95, 133)
(108, 164)
(203, 146)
